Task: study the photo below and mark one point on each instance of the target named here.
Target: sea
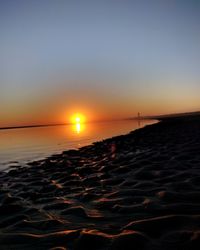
(20, 146)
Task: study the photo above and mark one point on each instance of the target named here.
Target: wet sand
(137, 191)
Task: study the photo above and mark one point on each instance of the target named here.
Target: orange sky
(97, 103)
(105, 59)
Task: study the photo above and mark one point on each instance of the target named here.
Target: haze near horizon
(103, 59)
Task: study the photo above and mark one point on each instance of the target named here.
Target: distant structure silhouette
(139, 119)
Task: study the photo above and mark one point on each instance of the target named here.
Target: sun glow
(77, 118)
(78, 121)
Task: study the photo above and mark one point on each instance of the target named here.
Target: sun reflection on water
(78, 128)
(78, 123)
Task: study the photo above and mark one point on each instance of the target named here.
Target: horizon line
(55, 124)
(33, 126)
(107, 120)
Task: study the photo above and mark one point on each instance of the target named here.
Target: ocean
(23, 145)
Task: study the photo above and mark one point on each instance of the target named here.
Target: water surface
(19, 146)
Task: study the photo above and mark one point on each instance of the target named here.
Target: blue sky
(108, 58)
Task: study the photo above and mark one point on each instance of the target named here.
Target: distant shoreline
(156, 117)
(32, 126)
(64, 124)
(173, 116)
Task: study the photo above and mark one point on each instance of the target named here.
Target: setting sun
(77, 118)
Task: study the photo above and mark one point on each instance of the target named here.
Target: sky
(107, 59)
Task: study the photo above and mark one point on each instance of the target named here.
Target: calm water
(19, 146)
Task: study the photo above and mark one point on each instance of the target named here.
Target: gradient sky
(107, 59)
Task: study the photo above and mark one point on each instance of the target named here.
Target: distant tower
(139, 119)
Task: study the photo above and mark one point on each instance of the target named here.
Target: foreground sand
(134, 192)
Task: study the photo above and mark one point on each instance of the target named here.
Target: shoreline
(155, 117)
(141, 190)
(33, 144)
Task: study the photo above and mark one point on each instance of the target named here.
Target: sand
(133, 192)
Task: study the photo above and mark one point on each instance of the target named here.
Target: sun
(77, 118)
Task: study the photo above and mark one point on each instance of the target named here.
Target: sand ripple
(139, 191)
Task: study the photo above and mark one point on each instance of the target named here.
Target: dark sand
(132, 192)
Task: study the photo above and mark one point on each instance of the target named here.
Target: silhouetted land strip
(56, 124)
(183, 116)
(137, 191)
(187, 115)
(33, 126)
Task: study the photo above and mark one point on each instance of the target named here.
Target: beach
(136, 191)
